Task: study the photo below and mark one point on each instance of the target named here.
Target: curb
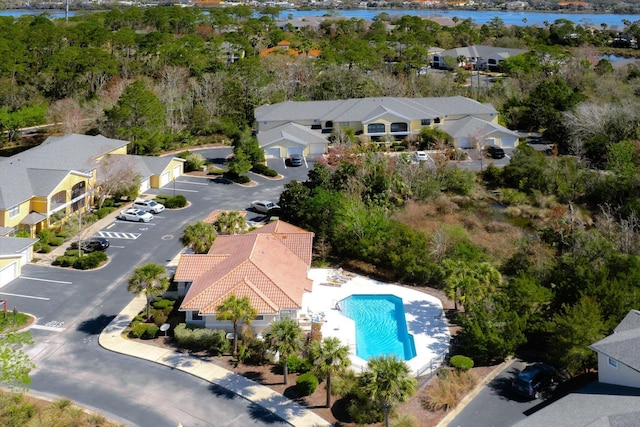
(473, 393)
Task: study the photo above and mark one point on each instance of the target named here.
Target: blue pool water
(381, 327)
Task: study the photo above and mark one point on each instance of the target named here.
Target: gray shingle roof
(290, 132)
(35, 172)
(474, 127)
(596, 405)
(624, 344)
(360, 110)
(12, 246)
(479, 51)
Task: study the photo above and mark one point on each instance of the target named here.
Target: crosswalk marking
(117, 235)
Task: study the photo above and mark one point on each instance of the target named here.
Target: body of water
(479, 17)
(381, 327)
(520, 18)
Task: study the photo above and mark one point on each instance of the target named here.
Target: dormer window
(425, 122)
(436, 120)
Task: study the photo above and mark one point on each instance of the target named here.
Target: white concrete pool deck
(424, 315)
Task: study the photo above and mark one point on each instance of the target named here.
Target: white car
(133, 214)
(421, 156)
(263, 206)
(148, 206)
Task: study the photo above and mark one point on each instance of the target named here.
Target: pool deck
(424, 315)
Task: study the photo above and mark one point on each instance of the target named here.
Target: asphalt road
(496, 405)
(72, 307)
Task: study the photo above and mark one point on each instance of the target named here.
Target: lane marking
(118, 235)
(47, 280)
(192, 183)
(118, 247)
(24, 296)
(47, 328)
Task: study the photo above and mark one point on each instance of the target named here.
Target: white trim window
(14, 211)
(612, 362)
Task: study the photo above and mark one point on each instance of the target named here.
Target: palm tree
(285, 337)
(199, 236)
(388, 381)
(230, 222)
(150, 279)
(236, 310)
(329, 357)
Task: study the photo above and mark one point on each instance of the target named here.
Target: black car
(533, 380)
(92, 245)
(494, 152)
(295, 160)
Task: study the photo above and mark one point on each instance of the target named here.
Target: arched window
(375, 128)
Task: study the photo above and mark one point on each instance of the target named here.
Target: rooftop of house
(36, 172)
(269, 265)
(624, 344)
(13, 246)
(368, 109)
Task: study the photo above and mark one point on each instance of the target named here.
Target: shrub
(138, 330)
(65, 260)
(297, 365)
(307, 383)
(64, 234)
(56, 241)
(513, 197)
(23, 233)
(263, 169)
(72, 252)
(178, 201)
(160, 318)
(37, 246)
(162, 303)
(44, 236)
(90, 261)
(448, 389)
(103, 212)
(461, 363)
(195, 338)
(150, 332)
(193, 161)
(45, 249)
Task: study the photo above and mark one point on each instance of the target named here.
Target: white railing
(433, 364)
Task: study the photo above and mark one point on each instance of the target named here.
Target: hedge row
(263, 170)
(194, 338)
(86, 262)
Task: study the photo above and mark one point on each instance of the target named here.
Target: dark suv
(494, 152)
(91, 245)
(533, 380)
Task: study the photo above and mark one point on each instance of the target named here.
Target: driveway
(72, 307)
(497, 405)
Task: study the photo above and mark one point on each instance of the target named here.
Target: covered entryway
(8, 273)
(272, 153)
(295, 150)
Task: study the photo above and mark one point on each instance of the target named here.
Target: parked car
(494, 152)
(148, 206)
(533, 380)
(295, 160)
(133, 214)
(421, 156)
(92, 245)
(263, 206)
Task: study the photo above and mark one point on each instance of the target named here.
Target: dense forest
(542, 254)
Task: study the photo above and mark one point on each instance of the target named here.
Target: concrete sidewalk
(290, 411)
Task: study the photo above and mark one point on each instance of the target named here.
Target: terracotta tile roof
(298, 240)
(192, 266)
(213, 216)
(269, 265)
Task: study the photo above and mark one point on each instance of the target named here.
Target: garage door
(8, 273)
(144, 185)
(176, 171)
(316, 149)
(272, 153)
(294, 150)
(165, 178)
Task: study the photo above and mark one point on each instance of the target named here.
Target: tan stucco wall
(5, 221)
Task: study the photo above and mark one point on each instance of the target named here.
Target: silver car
(148, 206)
(263, 206)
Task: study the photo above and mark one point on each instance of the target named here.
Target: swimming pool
(381, 327)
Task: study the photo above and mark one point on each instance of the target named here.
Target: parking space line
(47, 328)
(47, 280)
(24, 296)
(187, 191)
(192, 183)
